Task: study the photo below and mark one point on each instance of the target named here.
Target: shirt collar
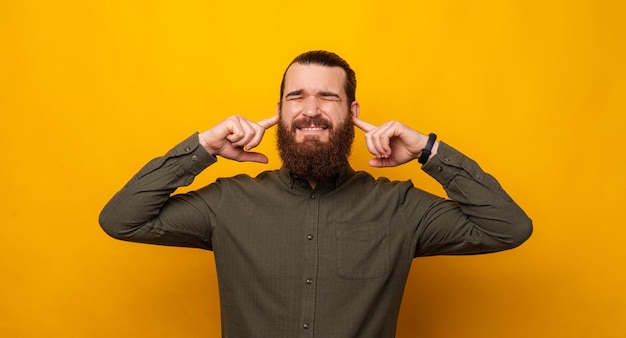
(336, 181)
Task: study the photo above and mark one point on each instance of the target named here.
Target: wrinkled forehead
(315, 78)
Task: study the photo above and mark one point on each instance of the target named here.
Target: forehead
(315, 78)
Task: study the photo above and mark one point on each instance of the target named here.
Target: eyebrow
(295, 93)
(327, 93)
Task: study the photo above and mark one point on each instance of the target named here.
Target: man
(315, 249)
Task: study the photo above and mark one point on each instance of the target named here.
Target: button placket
(310, 268)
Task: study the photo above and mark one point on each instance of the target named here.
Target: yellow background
(91, 90)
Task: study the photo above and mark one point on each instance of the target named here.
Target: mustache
(311, 121)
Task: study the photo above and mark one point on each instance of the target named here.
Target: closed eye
(329, 96)
(299, 94)
(294, 95)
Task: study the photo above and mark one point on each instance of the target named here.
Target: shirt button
(439, 168)
(187, 149)
(309, 281)
(194, 158)
(312, 197)
(309, 237)
(306, 326)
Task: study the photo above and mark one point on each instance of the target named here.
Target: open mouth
(312, 129)
(312, 125)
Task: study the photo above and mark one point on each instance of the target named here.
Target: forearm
(481, 218)
(134, 211)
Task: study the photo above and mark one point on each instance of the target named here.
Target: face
(314, 101)
(315, 132)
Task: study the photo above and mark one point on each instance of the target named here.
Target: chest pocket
(363, 250)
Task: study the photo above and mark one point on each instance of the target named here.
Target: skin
(314, 90)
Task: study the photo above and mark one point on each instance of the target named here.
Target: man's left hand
(393, 143)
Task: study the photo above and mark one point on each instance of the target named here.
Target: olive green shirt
(328, 262)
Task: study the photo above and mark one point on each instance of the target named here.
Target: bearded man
(315, 249)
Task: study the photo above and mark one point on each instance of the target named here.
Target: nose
(311, 106)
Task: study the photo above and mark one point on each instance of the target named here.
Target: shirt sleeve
(479, 216)
(144, 210)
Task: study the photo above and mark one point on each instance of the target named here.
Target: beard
(312, 159)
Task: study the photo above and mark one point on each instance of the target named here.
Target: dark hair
(328, 59)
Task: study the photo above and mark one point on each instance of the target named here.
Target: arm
(479, 217)
(144, 211)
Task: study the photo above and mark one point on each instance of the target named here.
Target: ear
(355, 109)
(278, 108)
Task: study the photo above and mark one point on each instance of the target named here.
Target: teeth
(312, 128)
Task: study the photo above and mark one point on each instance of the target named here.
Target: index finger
(362, 124)
(269, 122)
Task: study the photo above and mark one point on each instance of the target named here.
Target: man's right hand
(235, 136)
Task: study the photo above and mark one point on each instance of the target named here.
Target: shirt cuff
(449, 163)
(193, 157)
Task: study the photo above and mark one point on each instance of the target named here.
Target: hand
(235, 136)
(392, 143)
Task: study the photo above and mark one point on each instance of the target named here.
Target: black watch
(427, 149)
